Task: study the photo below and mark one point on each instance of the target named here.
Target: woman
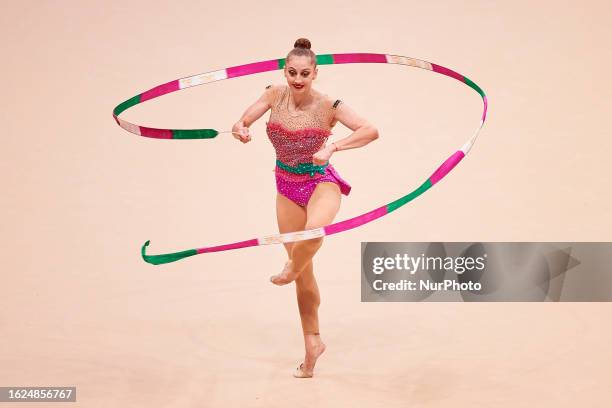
(308, 187)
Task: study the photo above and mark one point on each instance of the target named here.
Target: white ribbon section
(130, 127)
(292, 236)
(204, 78)
(413, 62)
(466, 147)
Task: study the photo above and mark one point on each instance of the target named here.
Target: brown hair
(302, 48)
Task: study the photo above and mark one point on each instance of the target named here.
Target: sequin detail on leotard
(296, 137)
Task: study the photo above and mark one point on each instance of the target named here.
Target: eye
(305, 74)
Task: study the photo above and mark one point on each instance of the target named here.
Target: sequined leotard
(296, 137)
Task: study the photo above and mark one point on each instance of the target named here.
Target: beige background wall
(80, 195)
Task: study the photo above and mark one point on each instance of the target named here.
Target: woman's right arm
(240, 130)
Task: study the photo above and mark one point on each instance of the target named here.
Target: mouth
(298, 86)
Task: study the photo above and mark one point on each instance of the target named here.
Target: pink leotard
(296, 137)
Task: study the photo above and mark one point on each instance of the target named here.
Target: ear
(316, 71)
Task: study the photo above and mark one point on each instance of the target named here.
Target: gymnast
(308, 187)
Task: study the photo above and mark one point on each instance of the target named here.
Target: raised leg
(320, 211)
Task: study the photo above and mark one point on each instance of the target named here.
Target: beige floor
(79, 306)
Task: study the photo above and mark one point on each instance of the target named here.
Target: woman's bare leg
(292, 217)
(320, 211)
(309, 300)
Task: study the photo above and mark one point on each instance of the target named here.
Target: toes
(278, 280)
(285, 277)
(300, 372)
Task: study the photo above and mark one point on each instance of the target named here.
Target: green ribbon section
(323, 59)
(303, 168)
(127, 104)
(194, 133)
(469, 82)
(165, 258)
(409, 197)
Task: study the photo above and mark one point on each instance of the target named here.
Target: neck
(302, 99)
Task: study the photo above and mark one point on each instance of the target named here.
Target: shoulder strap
(336, 103)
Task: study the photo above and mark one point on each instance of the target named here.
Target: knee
(308, 245)
(317, 242)
(314, 243)
(288, 248)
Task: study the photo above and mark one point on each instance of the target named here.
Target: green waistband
(303, 168)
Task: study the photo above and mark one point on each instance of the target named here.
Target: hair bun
(302, 43)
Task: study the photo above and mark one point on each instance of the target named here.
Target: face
(300, 72)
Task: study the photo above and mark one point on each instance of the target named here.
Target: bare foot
(314, 348)
(288, 275)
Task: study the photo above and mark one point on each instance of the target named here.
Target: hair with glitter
(302, 48)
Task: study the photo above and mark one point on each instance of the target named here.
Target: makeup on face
(299, 78)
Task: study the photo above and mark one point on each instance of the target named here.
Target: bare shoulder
(330, 104)
(272, 92)
(326, 101)
(344, 114)
(275, 88)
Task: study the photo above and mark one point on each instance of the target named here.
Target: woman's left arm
(363, 133)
